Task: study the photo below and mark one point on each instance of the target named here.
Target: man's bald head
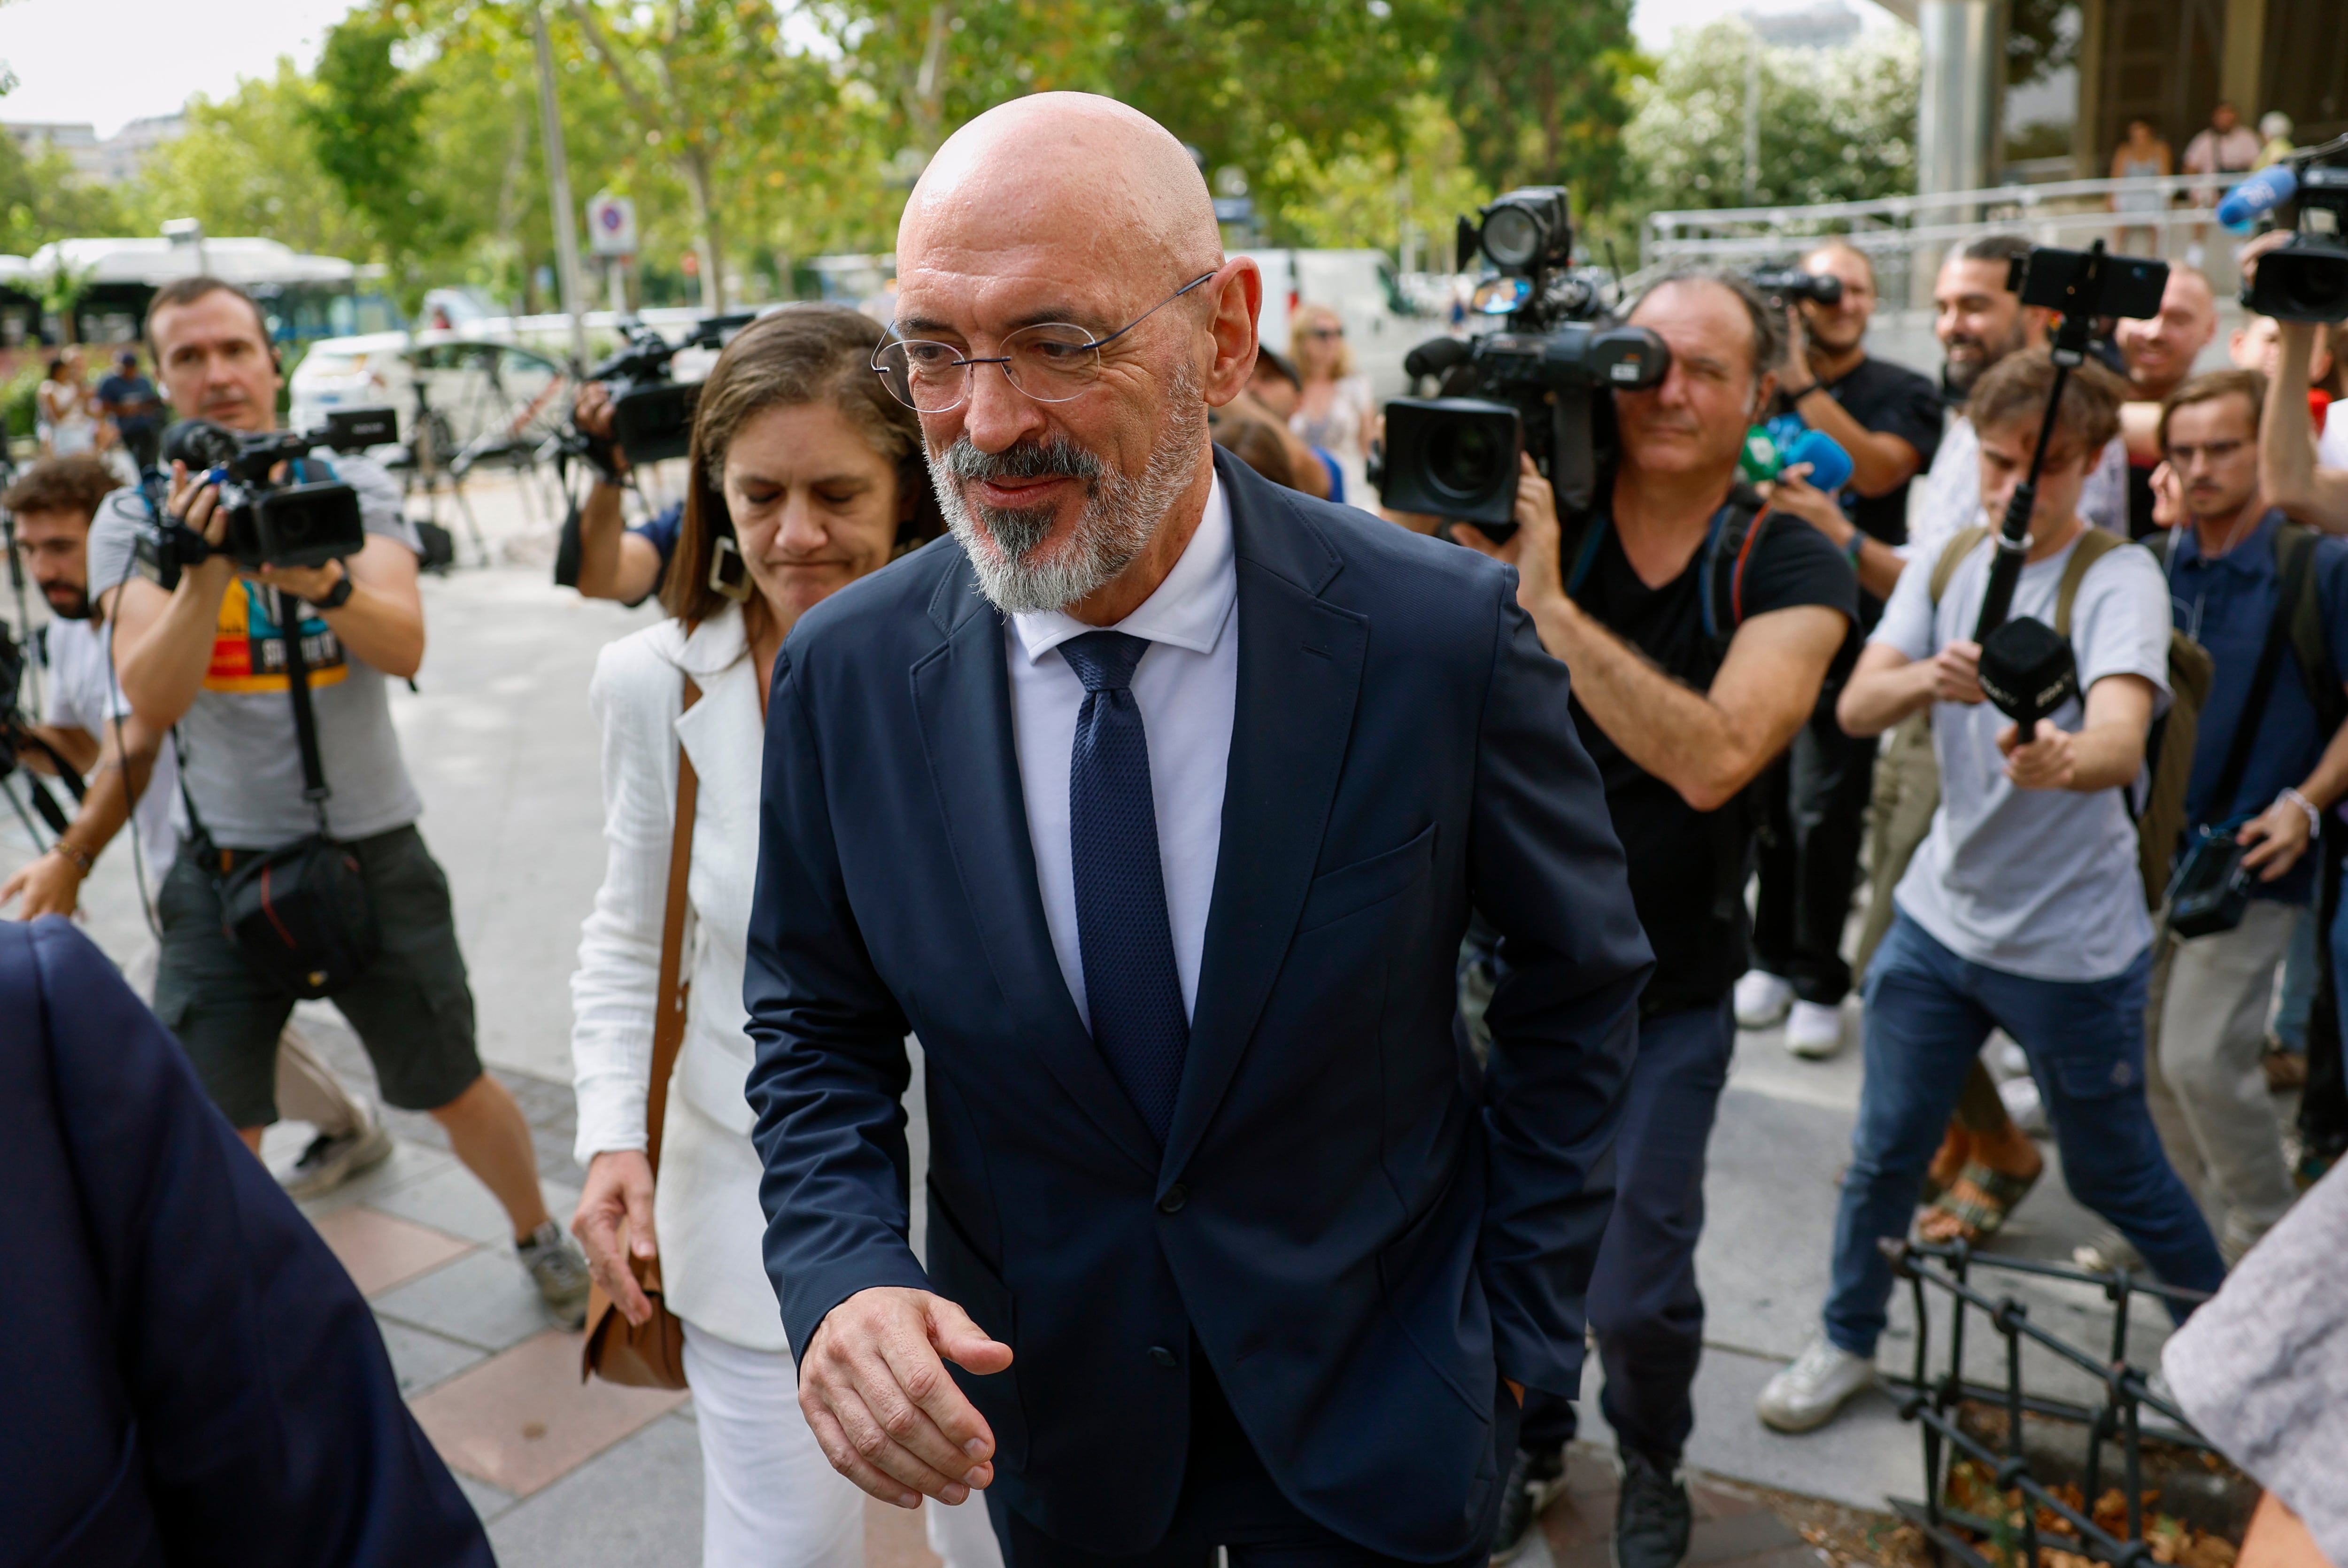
(1080, 173)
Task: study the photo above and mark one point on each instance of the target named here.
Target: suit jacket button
(1175, 1198)
(1160, 1355)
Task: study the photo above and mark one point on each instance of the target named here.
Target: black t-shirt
(1894, 401)
(1687, 866)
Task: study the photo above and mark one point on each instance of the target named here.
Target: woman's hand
(2276, 838)
(616, 1220)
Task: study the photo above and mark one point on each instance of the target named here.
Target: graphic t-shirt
(1687, 866)
(238, 752)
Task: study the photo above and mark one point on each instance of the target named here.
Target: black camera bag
(300, 912)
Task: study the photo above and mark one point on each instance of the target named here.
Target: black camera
(1781, 286)
(1531, 388)
(652, 415)
(293, 522)
(2083, 285)
(2307, 278)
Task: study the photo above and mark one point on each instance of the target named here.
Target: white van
(1362, 287)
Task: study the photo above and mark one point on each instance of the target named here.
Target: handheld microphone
(2028, 672)
(1830, 466)
(2255, 198)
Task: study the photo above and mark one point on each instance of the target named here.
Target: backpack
(2160, 820)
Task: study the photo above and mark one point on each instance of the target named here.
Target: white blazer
(711, 1229)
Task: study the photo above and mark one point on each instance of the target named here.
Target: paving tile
(897, 1537)
(483, 1299)
(421, 1359)
(452, 1199)
(488, 1501)
(523, 1419)
(637, 1504)
(380, 1251)
(409, 1161)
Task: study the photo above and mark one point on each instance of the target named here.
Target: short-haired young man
(2023, 909)
(2224, 563)
(133, 775)
(1679, 725)
(211, 656)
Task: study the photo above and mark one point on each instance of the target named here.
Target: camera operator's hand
(2275, 838)
(197, 504)
(50, 884)
(311, 584)
(1532, 549)
(2049, 762)
(2252, 249)
(1956, 674)
(1793, 366)
(592, 412)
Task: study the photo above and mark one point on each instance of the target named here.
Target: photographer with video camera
(1699, 631)
(292, 605)
(616, 560)
(2024, 907)
(1813, 805)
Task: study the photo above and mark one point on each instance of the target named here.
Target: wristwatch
(339, 595)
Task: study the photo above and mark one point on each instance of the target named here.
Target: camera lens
(1461, 457)
(1512, 237)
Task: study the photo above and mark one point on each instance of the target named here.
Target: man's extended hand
(889, 1416)
(1956, 674)
(2049, 762)
(2276, 838)
(51, 884)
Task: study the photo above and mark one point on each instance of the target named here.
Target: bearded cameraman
(210, 659)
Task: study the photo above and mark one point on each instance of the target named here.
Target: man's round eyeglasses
(1051, 362)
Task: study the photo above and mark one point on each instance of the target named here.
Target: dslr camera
(1531, 386)
(652, 413)
(294, 521)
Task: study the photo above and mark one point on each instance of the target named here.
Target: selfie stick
(2068, 350)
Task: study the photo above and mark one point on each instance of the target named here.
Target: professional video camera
(16, 736)
(652, 415)
(2307, 278)
(1531, 388)
(294, 521)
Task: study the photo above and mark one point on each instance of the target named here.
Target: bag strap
(2297, 553)
(1953, 555)
(2309, 644)
(668, 1020)
(2093, 544)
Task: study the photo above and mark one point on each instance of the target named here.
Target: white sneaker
(1805, 1395)
(1814, 1030)
(1762, 999)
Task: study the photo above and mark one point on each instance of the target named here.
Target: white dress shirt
(1187, 687)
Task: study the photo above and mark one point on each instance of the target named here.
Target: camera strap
(297, 689)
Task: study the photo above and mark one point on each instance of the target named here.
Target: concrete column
(1957, 130)
(2239, 69)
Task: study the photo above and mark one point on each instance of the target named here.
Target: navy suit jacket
(1362, 1231)
(187, 1376)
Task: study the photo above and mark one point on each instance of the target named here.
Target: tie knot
(1104, 661)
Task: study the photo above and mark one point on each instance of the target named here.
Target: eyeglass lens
(1052, 362)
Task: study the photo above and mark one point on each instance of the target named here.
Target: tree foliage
(1837, 125)
(365, 119)
(1537, 87)
(41, 199)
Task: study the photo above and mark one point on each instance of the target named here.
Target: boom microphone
(1435, 356)
(2256, 197)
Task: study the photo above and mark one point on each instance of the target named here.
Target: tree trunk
(707, 243)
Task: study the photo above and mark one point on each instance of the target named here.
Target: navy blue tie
(1130, 983)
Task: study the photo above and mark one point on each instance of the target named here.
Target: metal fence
(2037, 1515)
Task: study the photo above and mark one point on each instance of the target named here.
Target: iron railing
(2117, 1421)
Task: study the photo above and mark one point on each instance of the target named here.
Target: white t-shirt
(2037, 882)
(2332, 448)
(83, 696)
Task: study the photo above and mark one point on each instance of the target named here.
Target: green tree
(1538, 89)
(249, 165)
(43, 197)
(365, 116)
(1837, 125)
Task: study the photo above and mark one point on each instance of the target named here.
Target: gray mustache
(1056, 456)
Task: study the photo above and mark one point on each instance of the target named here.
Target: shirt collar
(1188, 610)
(2252, 554)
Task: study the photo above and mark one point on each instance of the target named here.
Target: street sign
(612, 224)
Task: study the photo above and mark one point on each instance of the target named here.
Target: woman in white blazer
(806, 475)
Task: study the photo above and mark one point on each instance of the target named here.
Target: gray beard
(1120, 513)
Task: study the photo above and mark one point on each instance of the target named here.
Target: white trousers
(768, 1496)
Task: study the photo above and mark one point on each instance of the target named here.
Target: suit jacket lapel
(961, 693)
(1300, 670)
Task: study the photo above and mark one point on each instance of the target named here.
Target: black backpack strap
(2311, 648)
(2294, 558)
(1584, 552)
(297, 689)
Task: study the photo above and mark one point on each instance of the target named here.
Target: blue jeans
(1928, 1013)
(2298, 998)
(1644, 1304)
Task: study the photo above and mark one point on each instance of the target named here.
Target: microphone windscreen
(1829, 464)
(2257, 196)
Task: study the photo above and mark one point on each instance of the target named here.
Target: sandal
(1981, 1198)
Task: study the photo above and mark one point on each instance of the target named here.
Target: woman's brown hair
(799, 354)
